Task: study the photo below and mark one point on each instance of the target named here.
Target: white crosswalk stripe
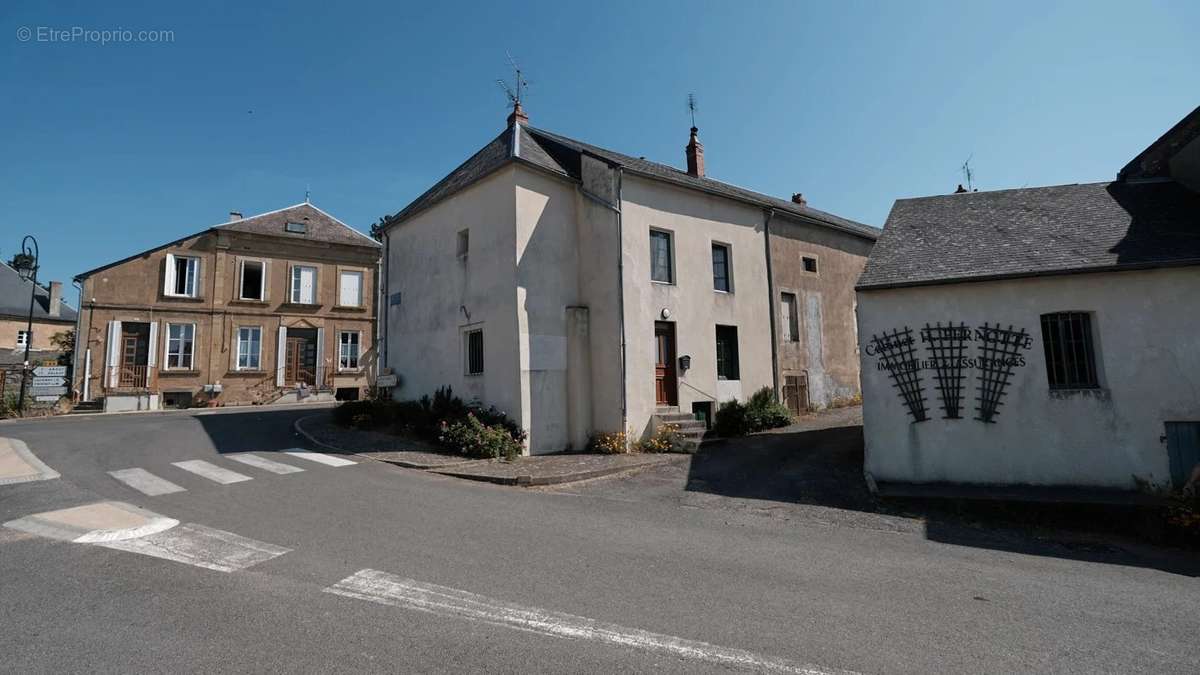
(264, 463)
(318, 457)
(201, 546)
(145, 482)
(212, 471)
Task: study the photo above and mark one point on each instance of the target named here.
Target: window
(179, 345)
(252, 280)
(1070, 355)
(22, 338)
(810, 264)
(182, 274)
(350, 289)
(464, 244)
(304, 285)
(789, 318)
(296, 228)
(249, 347)
(473, 346)
(727, 353)
(661, 265)
(720, 255)
(348, 346)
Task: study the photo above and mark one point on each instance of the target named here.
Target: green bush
(731, 420)
(475, 439)
(764, 412)
(425, 418)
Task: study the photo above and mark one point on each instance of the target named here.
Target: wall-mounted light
(666, 313)
(685, 363)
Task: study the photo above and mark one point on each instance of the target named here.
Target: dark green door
(1183, 446)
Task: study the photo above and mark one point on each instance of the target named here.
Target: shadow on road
(824, 467)
(259, 431)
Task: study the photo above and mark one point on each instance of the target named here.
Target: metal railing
(133, 377)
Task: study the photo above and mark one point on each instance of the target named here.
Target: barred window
(1070, 354)
(474, 351)
(727, 353)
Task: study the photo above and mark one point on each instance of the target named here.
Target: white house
(582, 290)
(1045, 337)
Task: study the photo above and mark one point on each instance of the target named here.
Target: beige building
(582, 290)
(273, 308)
(51, 316)
(1039, 340)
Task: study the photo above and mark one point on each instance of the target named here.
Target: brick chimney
(960, 189)
(695, 155)
(55, 306)
(798, 198)
(518, 115)
(235, 216)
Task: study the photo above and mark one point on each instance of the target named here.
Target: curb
(24, 454)
(194, 412)
(520, 480)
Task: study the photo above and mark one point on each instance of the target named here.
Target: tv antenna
(691, 104)
(519, 87)
(968, 174)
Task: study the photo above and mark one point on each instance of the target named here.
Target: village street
(355, 565)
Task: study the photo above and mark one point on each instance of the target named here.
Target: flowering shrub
(666, 438)
(475, 439)
(609, 443)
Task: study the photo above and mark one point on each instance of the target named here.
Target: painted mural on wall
(955, 357)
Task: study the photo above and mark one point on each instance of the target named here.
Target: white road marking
(145, 482)
(264, 463)
(201, 546)
(318, 457)
(212, 471)
(389, 589)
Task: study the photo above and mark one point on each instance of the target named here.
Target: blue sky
(111, 149)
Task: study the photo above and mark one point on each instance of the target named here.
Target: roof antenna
(306, 191)
(520, 86)
(968, 174)
(692, 108)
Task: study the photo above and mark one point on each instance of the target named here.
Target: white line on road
(145, 482)
(264, 463)
(388, 589)
(201, 546)
(318, 457)
(212, 471)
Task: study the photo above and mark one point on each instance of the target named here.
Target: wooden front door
(795, 393)
(300, 362)
(665, 391)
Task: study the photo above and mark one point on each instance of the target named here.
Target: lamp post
(26, 264)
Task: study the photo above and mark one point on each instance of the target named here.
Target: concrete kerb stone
(19, 465)
(97, 523)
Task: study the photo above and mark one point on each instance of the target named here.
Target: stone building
(272, 308)
(583, 290)
(1043, 337)
(51, 316)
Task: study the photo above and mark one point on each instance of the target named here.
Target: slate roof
(1153, 162)
(561, 155)
(1035, 231)
(321, 227)
(14, 299)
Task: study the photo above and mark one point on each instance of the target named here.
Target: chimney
(960, 189)
(235, 216)
(799, 199)
(695, 155)
(517, 115)
(55, 307)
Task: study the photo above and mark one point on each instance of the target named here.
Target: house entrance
(666, 390)
(300, 359)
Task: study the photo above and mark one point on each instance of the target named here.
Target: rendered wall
(1148, 357)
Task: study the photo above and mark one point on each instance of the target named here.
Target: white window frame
(191, 281)
(672, 271)
(167, 348)
(295, 289)
(257, 355)
(342, 356)
(358, 301)
(262, 286)
(467, 352)
(23, 334)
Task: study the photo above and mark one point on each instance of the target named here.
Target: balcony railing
(133, 377)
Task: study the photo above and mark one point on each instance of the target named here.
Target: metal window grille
(727, 353)
(1070, 354)
(898, 356)
(946, 345)
(999, 352)
(475, 352)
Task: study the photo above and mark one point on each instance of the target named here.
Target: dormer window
(296, 228)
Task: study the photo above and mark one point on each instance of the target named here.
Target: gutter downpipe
(77, 393)
(620, 284)
(768, 214)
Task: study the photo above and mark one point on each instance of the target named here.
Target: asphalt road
(469, 577)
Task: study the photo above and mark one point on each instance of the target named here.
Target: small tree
(377, 228)
(64, 343)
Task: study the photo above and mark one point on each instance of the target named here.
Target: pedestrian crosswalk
(153, 485)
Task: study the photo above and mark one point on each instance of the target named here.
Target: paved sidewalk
(524, 471)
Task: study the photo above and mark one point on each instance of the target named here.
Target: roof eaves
(1066, 271)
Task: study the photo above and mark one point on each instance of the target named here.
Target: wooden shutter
(280, 356)
(320, 357)
(152, 351)
(169, 276)
(112, 362)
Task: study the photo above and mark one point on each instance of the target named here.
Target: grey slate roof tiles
(14, 298)
(1035, 231)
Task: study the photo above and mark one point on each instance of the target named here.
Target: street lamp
(26, 264)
